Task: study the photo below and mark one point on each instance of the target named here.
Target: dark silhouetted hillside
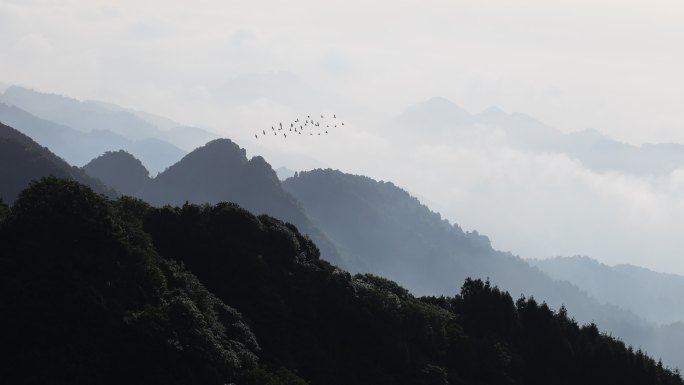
(334, 328)
(23, 160)
(221, 172)
(90, 294)
(656, 296)
(86, 299)
(120, 170)
(381, 229)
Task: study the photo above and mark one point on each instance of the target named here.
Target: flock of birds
(309, 126)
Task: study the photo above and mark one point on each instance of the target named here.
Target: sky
(236, 66)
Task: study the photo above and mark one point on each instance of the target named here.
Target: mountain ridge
(22, 160)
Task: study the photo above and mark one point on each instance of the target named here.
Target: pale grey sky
(611, 65)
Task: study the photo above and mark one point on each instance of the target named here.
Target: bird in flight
(314, 127)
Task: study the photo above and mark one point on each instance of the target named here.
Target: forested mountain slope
(220, 172)
(120, 170)
(23, 160)
(383, 230)
(90, 297)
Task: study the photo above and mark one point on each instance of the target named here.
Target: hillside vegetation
(117, 291)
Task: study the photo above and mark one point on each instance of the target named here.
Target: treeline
(115, 291)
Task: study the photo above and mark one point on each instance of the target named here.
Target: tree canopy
(95, 290)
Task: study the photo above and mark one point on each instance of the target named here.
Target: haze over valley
(460, 193)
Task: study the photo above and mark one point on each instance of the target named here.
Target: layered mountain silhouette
(376, 226)
(658, 296)
(284, 173)
(22, 160)
(78, 147)
(383, 230)
(93, 292)
(442, 121)
(438, 119)
(120, 170)
(84, 116)
(655, 296)
(165, 141)
(185, 137)
(217, 172)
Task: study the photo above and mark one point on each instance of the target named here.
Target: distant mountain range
(658, 296)
(358, 223)
(79, 147)
(381, 229)
(80, 130)
(446, 122)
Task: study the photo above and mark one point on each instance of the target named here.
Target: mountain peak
(442, 104)
(120, 170)
(436, 112)
(220, 150)
(23, 160)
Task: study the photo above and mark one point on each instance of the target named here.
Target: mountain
(601, 154)
(381, 229)
(23, 160)
(94, 295)
(284, 173)
(333, 328)
(78, 147)
(120, 170)
(220, 172)
(83, 116)
(655, 295)
(87, 116)
(185, 137)
(87, 299)
(441, 121)
(436, 113)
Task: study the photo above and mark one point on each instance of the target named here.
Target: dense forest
(380, 228)
(96, 290)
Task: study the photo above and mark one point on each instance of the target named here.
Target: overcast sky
(611, 65)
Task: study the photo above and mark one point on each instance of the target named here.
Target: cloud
(543, 205)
